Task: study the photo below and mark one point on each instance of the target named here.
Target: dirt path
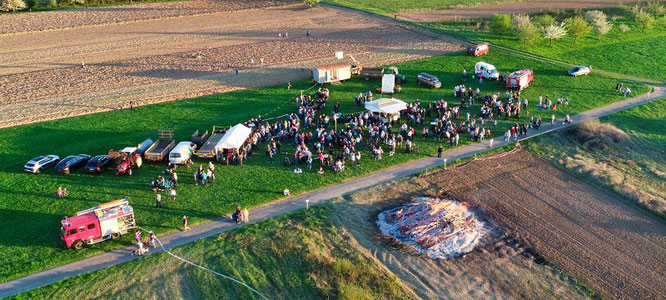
(298, 202)
(486, 11)
(161, 60)
(612, 246)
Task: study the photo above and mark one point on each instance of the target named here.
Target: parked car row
(126, 160)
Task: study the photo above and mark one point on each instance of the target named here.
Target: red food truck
(106, 221)
(519, 80)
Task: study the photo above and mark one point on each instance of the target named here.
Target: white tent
(386, 106)
(235, 137)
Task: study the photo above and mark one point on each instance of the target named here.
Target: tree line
(528, 30)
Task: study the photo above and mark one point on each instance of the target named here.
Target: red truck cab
(520, 79)
(106, 221)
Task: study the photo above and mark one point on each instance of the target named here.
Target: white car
(579, 71)
(40, 163)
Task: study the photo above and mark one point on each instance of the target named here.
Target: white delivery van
(486, 71)
(182, 152)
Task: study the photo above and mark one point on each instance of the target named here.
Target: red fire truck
(106, 221)
(519, 80)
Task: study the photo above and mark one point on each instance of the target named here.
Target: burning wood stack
(439, 228)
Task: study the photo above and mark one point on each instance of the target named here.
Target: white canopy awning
(386, 105)
(235, 137)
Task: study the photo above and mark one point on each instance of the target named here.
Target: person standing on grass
(358, 158)
(152, 238)
(439, 151)
(137, 236)
(158, 200)
(185, 228)
(552, 119)
(173, 194)
(174, 178)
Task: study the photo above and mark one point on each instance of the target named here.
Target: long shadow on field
(14, 236)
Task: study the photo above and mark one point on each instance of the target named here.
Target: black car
(98, 163)
(72, 162)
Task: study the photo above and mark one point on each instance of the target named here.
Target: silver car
(579, 71)
(40, 163)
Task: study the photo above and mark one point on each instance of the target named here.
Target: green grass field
(633, 165)
(635, 52)
(395, 6)
(302, 255)
(29, 208)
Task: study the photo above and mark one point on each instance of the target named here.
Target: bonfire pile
(439, 228)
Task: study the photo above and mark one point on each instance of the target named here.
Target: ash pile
(440, 228)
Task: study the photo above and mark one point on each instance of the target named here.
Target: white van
(182, 152)
(486, 70)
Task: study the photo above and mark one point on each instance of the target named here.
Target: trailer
(106, 221)
(331, 73)
(199, 138)
(372, 73)
(520, 79)
(161, 148)
(209, 147)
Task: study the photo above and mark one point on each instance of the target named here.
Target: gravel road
(607, 243)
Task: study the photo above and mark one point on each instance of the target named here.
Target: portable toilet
(388, 84)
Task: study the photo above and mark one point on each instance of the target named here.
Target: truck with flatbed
(159, 150)
(208, 149)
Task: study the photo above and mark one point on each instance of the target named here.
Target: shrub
(655, 8)
(12, 5)
(311, 3)
(578, 28)
(544, 20)
(520, 20)
(45, 3)
(500, 24)
(644, 20)
(623, 28)
(527, 34)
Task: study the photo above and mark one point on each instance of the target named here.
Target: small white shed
(331, 73)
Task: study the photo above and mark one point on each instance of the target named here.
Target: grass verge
(302, 255)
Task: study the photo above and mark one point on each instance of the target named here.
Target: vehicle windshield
(175, 155)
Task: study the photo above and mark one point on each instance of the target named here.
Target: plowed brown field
(609, 244)
(166, 59)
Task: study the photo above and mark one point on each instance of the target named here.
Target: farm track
(612, 246)
(158, 60)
